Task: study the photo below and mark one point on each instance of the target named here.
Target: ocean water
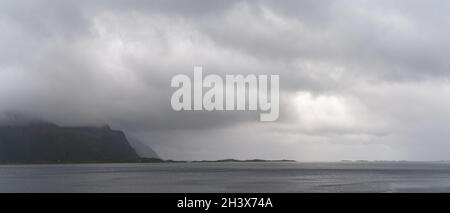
(227, 177)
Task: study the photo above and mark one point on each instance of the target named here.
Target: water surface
(227, 177)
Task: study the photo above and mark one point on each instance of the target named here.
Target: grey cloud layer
(359, 79)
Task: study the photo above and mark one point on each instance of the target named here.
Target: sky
(359, 79)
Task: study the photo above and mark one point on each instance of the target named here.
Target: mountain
(41, 142)
(143, 150)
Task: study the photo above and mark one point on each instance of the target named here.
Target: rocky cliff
(49, 143)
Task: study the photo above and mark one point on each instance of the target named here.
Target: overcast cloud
(359, 79)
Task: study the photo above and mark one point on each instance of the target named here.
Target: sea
(228, 177)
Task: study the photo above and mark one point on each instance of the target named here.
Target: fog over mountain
(359, 79)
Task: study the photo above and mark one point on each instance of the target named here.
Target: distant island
(241, 161)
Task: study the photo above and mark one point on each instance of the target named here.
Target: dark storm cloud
(359, 79)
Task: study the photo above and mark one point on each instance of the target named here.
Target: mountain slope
(143, 150)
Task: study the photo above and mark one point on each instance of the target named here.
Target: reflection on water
(227, 177)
